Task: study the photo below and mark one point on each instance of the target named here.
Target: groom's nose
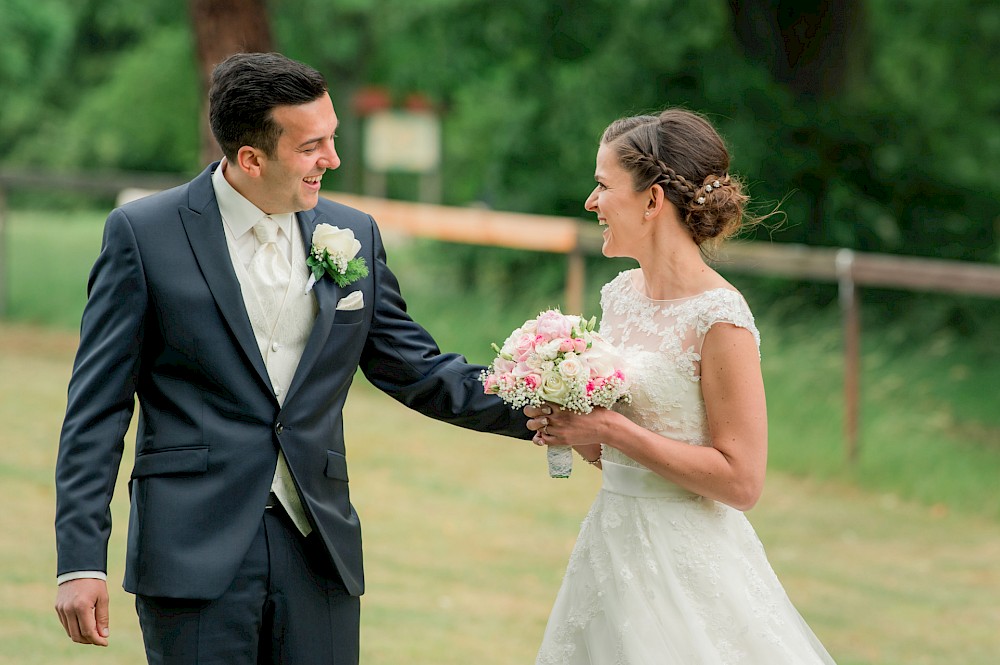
(329, 159)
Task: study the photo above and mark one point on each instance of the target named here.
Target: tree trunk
(222, 28)
(816, 47)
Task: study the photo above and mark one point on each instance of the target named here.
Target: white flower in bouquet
(555, 388)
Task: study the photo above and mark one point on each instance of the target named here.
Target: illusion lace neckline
(634, 288)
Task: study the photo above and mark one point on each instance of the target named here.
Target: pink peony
(552, 324)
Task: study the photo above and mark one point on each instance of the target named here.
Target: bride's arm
(732, 469)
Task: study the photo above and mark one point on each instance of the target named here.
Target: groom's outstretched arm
(403, 360)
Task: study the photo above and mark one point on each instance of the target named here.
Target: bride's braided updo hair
(682, 152)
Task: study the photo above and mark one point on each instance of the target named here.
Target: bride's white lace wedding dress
(661, 576)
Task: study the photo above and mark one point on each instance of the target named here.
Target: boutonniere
(334, 253)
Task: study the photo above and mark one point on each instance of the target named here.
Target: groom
(243, 546)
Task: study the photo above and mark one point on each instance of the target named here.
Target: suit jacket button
(279, 428)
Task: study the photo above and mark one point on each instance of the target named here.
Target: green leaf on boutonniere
(356, 269)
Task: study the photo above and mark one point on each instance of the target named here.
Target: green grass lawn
(50, 256)
(891, 561)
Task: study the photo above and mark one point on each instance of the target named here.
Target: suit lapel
(327, 295)
(205, 232)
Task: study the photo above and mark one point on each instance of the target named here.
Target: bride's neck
(677, 274)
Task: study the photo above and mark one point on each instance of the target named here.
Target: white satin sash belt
(642, 483)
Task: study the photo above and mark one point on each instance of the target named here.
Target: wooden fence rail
(577, 239)
(849, 269)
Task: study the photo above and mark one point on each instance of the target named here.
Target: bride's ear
(655, 200)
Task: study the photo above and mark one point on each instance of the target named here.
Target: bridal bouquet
(557, 358)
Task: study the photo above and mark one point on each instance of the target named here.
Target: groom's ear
(249, 160)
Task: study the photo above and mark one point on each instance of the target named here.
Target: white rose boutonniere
(334, 253)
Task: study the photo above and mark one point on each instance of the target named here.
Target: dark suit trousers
(283, 607)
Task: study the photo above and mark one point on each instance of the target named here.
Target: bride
(667, 570)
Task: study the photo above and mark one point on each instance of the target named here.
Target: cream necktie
(269, 270)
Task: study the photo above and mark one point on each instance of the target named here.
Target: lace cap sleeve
(727, 306)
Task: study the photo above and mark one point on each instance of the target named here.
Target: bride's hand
(538, 420)
(553, 425)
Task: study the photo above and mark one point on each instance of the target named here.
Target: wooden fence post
(849, 308)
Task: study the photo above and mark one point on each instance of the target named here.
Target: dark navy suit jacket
(165, 321)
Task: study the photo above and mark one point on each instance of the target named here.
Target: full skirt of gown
(660, 576)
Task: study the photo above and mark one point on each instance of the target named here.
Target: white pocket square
(354, 300)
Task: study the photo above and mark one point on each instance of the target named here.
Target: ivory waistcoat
(281, 343)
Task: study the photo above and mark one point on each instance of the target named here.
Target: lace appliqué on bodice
(661, 342)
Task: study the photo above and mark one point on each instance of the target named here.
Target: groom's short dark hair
(246, 88)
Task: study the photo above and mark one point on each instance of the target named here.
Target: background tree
(117, 88)
(873, 120)
(815, 48)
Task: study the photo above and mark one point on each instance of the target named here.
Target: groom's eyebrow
(318, 138)
(309, 142)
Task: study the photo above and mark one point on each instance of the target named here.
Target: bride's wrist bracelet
(595, 461)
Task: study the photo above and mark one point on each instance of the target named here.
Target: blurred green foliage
(898, 158)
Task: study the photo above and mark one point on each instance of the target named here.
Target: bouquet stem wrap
(560, 461)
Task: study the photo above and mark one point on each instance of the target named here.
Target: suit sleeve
(403, 360)
(100, 400)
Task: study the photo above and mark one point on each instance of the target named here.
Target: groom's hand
(82, 606)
